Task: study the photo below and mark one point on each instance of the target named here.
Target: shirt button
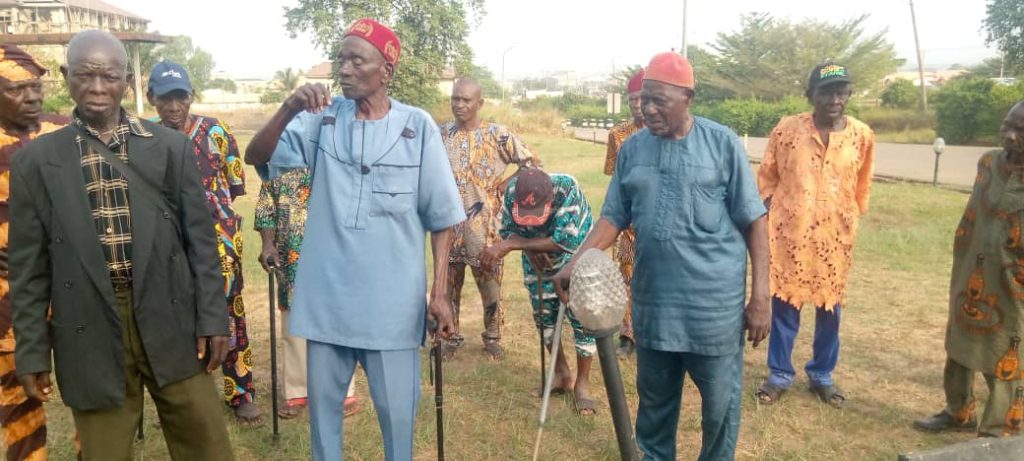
(174, 300)
(67, 284)
(80, 329)
(167, 215)
(59, 239)
(365, 169)
(110, 230)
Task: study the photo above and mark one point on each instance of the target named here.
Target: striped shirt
(108, 194)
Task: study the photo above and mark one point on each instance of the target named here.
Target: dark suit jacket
(55, 255)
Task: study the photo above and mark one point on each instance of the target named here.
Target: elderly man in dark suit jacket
(108, 222)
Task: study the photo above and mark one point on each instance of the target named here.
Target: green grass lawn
(890, 366)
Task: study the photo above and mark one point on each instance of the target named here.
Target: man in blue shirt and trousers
(685, 185)
(381, 182)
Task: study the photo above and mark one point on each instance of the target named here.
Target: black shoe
(944, 422)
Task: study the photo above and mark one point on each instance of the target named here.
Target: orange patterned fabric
(818, 194)
(616, 136)
(10, 143)
(22, 418)
(625, 246)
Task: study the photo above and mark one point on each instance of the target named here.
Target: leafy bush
(901, 94)
(542, 120)
(882, 119)
(970, 109)
(56, 99)
(574, 107)
(752, 116)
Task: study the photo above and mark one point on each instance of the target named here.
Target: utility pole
(503, 72)
(683, 49)
(920, 63)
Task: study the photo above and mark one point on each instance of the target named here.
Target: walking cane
(556, 341)
(272, 266)
(437, 380)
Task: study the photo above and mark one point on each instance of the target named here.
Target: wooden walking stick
(271, 273)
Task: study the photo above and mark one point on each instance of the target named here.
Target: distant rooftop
(319, 71)
(92, 5)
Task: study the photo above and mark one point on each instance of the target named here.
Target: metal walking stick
(271, 273)
(437, 380)
(555, 342)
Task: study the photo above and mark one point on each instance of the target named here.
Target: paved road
(912, 162)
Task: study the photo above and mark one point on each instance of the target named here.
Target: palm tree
(287, 79)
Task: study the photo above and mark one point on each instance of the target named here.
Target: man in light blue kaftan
(381, 181)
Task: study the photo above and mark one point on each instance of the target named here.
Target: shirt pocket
(708, 206)
(394, 189)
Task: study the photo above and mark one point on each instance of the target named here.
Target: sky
(247, 38)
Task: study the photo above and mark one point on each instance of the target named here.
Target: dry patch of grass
(890, 366)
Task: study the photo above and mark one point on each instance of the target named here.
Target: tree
(771, 58)
(489, 86)
(960, 107)
(287, 80)
(179, 50)
(992, 68)
(1003, 19)
(284, 83)
(900, 94)
(434, 34)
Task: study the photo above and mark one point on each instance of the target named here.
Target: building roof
(93, 5)
(319, 71)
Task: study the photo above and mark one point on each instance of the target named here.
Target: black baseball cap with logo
(533, 197)
(827, 74)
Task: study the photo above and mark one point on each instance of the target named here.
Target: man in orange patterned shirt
(21, 121)
(625, 248)
(815, 180)
(479, 153)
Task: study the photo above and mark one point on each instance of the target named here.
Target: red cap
(379, 36)
(670, 68)
(636, 82)
(534, 194)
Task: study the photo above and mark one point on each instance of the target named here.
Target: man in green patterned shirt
(548, 218)
(281, 222)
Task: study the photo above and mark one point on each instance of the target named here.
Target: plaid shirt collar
(129, 124)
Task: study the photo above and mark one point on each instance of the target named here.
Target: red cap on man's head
(636, 82)
(671, 68)
(382, 38)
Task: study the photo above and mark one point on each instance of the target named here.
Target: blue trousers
(785, 325)
(659, 382)
(394, 378)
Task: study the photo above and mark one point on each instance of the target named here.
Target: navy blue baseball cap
(167, 77)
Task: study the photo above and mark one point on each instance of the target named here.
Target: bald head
(97, 76)
(466, 102)
(1017, 109)
(469, 84)
(1012, 132)
(91, 44)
